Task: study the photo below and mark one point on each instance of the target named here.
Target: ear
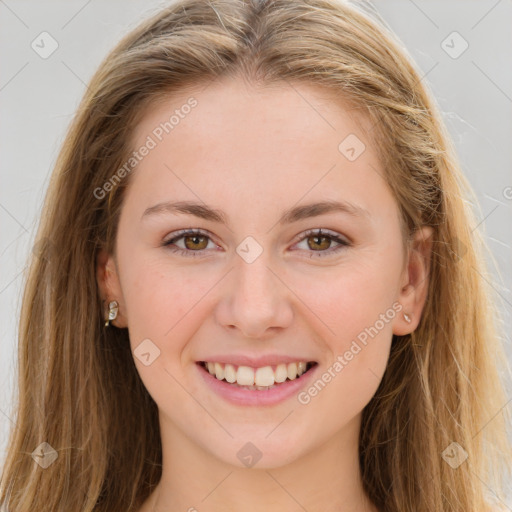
(109, 285)
(414, 281)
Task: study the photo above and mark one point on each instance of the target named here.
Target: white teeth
(281, 373)
(264, 376)
(245, 376)
(230, 373)
(219, 371)
(259, 378)
(292, 371)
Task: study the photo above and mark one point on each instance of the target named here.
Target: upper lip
(255, 361)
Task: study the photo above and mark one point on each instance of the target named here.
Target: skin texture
(254, 152)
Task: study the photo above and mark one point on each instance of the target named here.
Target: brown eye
(195, 241)
(319, 242)
(189, 243)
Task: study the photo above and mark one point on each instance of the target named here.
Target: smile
(262, 378)
(262, 386)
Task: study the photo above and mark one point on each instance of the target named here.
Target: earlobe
(413, 293)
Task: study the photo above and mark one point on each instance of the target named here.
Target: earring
(407, 318)
(113, 308)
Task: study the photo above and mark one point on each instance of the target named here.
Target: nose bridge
(253, 279)
(257, 299)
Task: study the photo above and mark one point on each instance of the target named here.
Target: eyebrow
(289, 216)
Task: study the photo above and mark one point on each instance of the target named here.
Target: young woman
(257, 286)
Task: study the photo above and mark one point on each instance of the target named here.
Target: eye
(322, 240)
(195, 240)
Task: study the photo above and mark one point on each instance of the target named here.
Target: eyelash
(312, 232)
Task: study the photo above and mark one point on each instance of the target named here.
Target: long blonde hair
(78, 387)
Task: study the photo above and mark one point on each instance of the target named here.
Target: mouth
(257, 379)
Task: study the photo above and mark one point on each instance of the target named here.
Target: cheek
(345, 387)
(161, 300)
(355, 307)
(164, 306)
(357, 314)
(354, 296)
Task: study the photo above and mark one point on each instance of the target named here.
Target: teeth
(230, 373)
(281, 373)
(292, 371)
(264, 376)
(245, 376)
(219, 371)
(260, 378)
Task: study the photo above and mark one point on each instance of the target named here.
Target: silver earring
(407, 318)
(113, 308)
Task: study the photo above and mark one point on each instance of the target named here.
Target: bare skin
(254, 153)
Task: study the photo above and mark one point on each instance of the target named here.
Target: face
(256, 284)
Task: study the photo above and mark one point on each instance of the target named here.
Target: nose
(257, 301)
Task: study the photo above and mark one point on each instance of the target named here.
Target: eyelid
(187, 231)
(321, 232)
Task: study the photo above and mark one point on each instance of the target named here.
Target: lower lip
(241, 396)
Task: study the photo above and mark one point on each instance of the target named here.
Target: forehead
(221, 106)
(259, 141)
